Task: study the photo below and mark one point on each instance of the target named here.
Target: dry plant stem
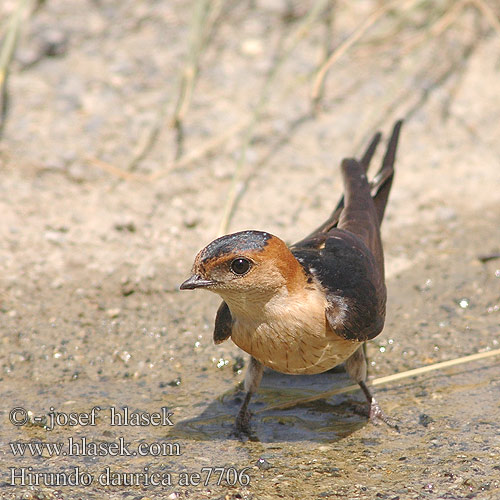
(328, 22)
(349, 42)
(183, 162)
(488, 13)
(148, 142)
(190, 70)
(237, 183)
(205, 16)
(117, 172)
(196, 154)
(8, 49)
(438, 28)
(388, 379)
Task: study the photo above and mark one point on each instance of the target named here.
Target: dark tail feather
(333, 220)
(365, 163)
(380, 186)
(370, 151)
(382, 182)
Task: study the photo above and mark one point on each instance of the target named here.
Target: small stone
(54, 42)
(191, 220)
(446, 214)
(263, 464)
(252, 47)
(175, 383)
(55, 237)
(113, 313)
(123, 356)
(425, 420)
(334, 471)
(57, 283)
(78, 173)
(126, 226)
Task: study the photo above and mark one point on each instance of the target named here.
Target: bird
(308, 307)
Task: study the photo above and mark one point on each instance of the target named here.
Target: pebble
(263, 464)
(123, 355)
(425, 419)
(252, 47)
(55, 237)
(113, 313)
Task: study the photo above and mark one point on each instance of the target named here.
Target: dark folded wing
(345, 253)
(346, 270)
(223, 323)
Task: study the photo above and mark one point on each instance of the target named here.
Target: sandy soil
(93, 248)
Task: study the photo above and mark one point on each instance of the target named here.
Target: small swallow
(306, 308)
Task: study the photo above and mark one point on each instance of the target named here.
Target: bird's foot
(377, 415)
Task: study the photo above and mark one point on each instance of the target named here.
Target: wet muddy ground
(93, 252)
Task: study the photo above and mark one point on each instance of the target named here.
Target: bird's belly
(293, 350)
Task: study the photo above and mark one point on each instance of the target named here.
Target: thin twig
(349, 42)
(385, 380)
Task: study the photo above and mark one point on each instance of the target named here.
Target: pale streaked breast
(295, 340)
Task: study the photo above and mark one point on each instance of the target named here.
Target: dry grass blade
(8, 49)
(439, 26)
(450, 16)
(187, 159)
(198, 30)
(148, 141)
(349, 42)
(390, 378)
(205, 15)
(196, 154)
(117, 172)
(328, 22)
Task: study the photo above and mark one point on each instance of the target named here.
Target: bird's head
(244, 267)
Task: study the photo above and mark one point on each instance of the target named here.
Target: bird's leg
(253, 377)
(356, 368)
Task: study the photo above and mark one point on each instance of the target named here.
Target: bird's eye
(240, 266)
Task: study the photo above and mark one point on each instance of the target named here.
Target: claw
(376, 414)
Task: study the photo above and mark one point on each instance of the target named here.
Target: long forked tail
(382, 182)
(379, 187)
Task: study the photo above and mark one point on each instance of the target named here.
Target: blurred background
(134, 132)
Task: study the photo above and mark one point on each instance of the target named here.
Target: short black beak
(195, 281)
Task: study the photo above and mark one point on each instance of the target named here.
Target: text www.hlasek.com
(82, 447)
